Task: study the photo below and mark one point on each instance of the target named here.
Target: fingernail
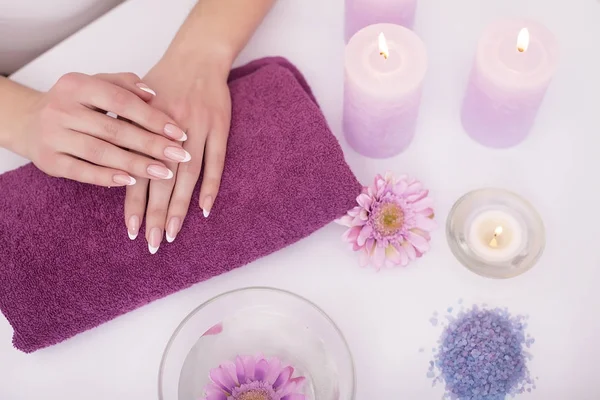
(177, 154)
(159, 171)
(133, 227)
(173, 229)
(124, 180)
(154, 240)
(207, 206)
(145, 88)
(175, 132)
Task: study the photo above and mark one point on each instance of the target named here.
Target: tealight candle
(515, 62)
(362, 13)
(385, 65)
(495, 233)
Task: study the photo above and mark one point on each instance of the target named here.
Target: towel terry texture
(67, 265)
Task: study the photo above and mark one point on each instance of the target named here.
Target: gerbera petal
(283, 377)
(261, 370)
(409, 250)
(412, 198)
(294, 396)
(400, 187)
(346, 220)
(249, 365)
(392, 255)
(355, 211)
(364, 257)
(274, 371)
(356, 247)
(220, 376)
(358, 221)
(364, 214)
(291, 386)
(421, 244)
(364, 200)
(214, 392)
(424, 223)
(414, 187)
(352, 234)
(422, 204)
(239, 370)
(364, 234)
(378, 257)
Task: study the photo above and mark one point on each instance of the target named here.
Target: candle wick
(383, 54)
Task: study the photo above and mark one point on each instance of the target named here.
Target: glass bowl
(251, 321)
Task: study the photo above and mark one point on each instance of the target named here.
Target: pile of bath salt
(482, 355)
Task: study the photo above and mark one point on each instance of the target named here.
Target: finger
(187, 177)
(156, 212)
(129, 136)
(71, 168)
(131, 82)
(112, 98)
(104, 154)
(135, 205)
(214, 162)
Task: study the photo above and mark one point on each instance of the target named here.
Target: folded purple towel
(67, 265)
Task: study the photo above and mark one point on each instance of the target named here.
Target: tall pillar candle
(362, 13)
(385, 65)
(513, 67)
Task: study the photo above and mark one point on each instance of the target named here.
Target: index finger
(124, 103)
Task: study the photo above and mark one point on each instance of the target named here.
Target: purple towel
(67, 265)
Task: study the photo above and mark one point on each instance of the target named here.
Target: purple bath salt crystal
(481, 355)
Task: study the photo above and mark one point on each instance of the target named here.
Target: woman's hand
(197, 97)
(67, 132)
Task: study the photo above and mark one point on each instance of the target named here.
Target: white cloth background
(30, 27)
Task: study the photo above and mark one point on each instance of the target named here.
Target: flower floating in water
(391, 224)
(254, 378)
(482, 356)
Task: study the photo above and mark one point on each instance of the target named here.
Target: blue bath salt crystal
(481, 355)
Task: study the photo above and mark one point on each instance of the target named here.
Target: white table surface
(383, 315)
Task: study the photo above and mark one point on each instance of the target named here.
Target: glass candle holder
(495, 233)
(270, 323)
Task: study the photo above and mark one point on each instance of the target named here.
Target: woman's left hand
(197, 98)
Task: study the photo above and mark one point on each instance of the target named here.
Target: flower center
(259, 394)
(388, 219)
(257, 390)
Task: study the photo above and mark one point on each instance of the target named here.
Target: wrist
(16, 115)
(200, 57)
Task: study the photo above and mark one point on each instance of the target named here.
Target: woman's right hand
(68, 133)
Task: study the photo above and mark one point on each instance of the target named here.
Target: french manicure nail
(124, 180)
(175, 132)
(145, 88)
(133, 227)
(177, 154)
(173, 229)
(154, 240)
(206, 207)
(158, 171)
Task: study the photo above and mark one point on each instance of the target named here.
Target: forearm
(15, 102)
(216, 31)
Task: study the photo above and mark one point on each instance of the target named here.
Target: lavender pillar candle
(385, 65)
(514, 64)
(362, 13)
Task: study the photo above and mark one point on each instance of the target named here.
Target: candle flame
(497, 232)
(383, 47)
(523, 40)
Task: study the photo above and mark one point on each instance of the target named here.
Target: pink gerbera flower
(391, 224)
(253, 378)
